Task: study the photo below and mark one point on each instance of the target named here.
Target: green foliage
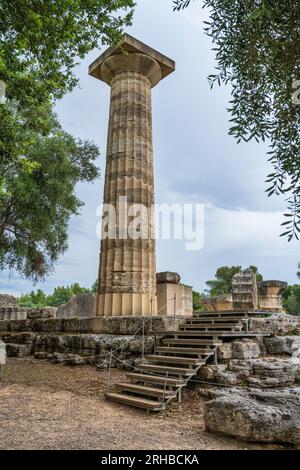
(257, 47)
(61, 295)
(95, 286)
(292, 300)
(38, 197)
(41, 42)
(221, 285)
(40, 164)
(197, 301)
(291, 297)
(33, 299)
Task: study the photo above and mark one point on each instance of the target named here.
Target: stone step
(186, 333)
(188, 351)
(171, 382)
(137, 402)
(224, 312)
(173, 359)
(146, 390)
(206, 319)
(167, 369)
(210, 326)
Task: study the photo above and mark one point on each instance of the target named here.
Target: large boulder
(265, 417)
(289, 345)
(245, 349)
(81, 305)
(276, 324)
(8, 301)
(41, 313)
(18, 350)
(272, 373)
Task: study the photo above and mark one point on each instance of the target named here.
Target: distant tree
(257, 50)
(197, 301)
(61, 295)
(221, 285)
(291, 297)
(292, 300)
(95, 286)
(33, 299)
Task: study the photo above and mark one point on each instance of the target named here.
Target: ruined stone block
(18, 350)
(289, 345)
(245, 349)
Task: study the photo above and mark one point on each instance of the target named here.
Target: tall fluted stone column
(127, 272)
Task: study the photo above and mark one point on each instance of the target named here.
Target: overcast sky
(196, 161)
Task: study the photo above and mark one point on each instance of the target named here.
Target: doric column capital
(133, 62)
(131, 56)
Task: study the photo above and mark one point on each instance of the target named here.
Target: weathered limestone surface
(173, 297)
(22, 313)
(13, 313)
(168, 277)
(218, 304)
(41, 313)
(18, 350)
(277, 324)
(7, 300)
(110, 325)
(75, 349)
(261, 417)
(269, 372)
(127, 282)
(244, 291)
(270, 295)
(289, 345)
(245, 348)
(272, 373)
(81, 306)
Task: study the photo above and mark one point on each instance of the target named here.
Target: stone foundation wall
(22, 313)
(110, 325)
(70, 340)
(13, 313)
(75, 349)
(260, 363)
(276, 324)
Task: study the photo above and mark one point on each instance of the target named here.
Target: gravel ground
(47, 406)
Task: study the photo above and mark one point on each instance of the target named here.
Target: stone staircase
(177, 357)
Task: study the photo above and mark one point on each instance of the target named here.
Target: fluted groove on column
(127, 274)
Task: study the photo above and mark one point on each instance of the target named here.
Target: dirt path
(46, 406)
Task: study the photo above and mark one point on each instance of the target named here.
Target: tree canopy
(257, 46)
(40, 164)
(37, 198)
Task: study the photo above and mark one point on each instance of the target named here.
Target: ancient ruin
(242, 352)
(127, 284)
(248, 294)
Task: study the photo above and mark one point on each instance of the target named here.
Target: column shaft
(127, 283)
